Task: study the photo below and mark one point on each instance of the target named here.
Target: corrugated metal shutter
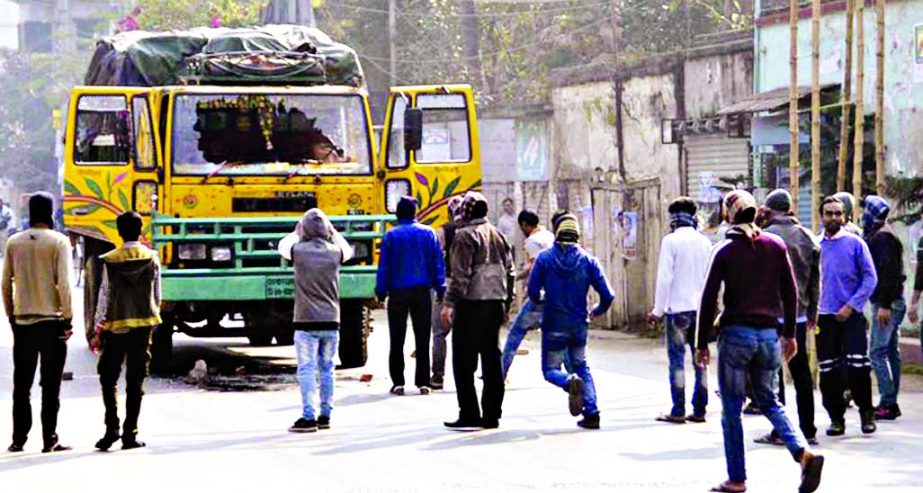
(711, 157)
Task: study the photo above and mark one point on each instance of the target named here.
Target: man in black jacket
(888, 305)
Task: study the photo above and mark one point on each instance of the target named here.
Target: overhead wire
(479, 15)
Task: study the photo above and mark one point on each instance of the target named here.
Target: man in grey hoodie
(317, 258)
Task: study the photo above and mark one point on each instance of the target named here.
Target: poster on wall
(531, 151)
(628, 224)
(918, 54)
(586, 225)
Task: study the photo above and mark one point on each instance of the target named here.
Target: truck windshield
(270, 134)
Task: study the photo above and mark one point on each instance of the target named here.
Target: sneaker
(885, 414)
(696, 418)
(589, 422)
(574, 388)
(424, 390)
(14, 447)
(868, 422)
(837, 428)
(303, 426)
(812, 440)
(811, 468)
(397, 390)
(106, 442)
(129, 443)
(323, 423)
(464, 424)
(436, 383)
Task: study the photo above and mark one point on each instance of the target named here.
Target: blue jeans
(315, 350)
(680, 332)
(528, 318)
(755, 353)
(885, 352)
(563, 346)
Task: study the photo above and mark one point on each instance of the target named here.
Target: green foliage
(184, 14)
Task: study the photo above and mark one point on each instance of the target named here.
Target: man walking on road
(680, 277)
(36, 286)
(759, 288)
(804, 253)
(126, 315)
(888, 305)
(445, 235)
(476, 304)
(848, 280)
(317, 256)
(409, 269)
(565, 273)
(529, 317)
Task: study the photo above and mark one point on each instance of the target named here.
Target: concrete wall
(714, 82)
(646, 101)
(584, 121)
(903, 76)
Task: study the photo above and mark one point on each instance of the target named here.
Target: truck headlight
(394, 190)
(192, 251)
(221, 254)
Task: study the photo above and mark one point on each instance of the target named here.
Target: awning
(774, 100)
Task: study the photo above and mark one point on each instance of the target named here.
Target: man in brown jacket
(479, 298)
(37, 298)
(127, 312)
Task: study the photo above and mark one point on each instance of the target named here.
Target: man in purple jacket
(848, 279)
(759, 288)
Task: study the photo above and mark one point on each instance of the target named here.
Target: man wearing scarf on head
(684, 256)
(37, 298)
(565, 273)
(410, 268)
(759, 288)
(888, 307)
(849, 205)
(476, 305)
(446, 235)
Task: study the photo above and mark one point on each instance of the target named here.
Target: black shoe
(490, 424)
(303, 426)
(436, 383)
(574, 389)
(105, 443)
(464, 424)
(868, 422)
(129, 443)
(896, 410)
(57, 447)
(589, 422)
(837, 428)
(323, 423)
(14, 447)
(812, 440)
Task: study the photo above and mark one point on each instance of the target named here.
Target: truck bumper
(250, 287)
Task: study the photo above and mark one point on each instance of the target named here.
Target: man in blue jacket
(565, 272)
(411, 266)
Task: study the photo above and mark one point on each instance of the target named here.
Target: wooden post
(846, 102)
(860, 106)
(815, 114)
(793, 105)
(879, 100)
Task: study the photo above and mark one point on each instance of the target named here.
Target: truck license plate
(280, 287)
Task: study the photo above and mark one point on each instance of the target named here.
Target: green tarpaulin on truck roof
(273, 54)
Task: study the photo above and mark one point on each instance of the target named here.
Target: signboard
(280, 287)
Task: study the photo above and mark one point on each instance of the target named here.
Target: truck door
(112, 160)
(430, 148)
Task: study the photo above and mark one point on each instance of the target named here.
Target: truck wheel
(260, 339)
(354, 333)
(162, 346)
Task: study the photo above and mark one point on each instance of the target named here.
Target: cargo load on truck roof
(264, 55)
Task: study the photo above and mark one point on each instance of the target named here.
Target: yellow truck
(223, 151)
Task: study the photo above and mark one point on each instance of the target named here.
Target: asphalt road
(231, 435)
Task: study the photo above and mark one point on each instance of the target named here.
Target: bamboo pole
(793, 104)
(815, 114)
(860, 106)
(847, 100)
(879, 100)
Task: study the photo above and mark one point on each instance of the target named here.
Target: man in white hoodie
(681, 271)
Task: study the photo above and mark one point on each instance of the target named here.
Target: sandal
(726, 487)
(669, 418)
(769, 439)
(810, 473)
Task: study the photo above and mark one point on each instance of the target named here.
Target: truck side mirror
(413, 129)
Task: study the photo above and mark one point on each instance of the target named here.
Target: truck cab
(221, 173)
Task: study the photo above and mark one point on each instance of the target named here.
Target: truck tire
(354, 333)
(162, 346)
